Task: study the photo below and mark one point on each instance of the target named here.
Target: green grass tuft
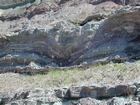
(105, 74)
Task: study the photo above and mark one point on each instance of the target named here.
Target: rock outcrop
(38, 34)
(84, 95)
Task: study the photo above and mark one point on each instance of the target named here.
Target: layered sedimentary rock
(41, 34)
(84, 95)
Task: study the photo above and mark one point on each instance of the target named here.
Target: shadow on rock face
(41, 43)
(113, 39)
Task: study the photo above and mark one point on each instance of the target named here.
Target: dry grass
(104, 74)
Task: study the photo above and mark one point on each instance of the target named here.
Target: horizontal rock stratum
(83, 95)
(38, 34)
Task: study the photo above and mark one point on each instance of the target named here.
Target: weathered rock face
(86, 95)
(42, 34)
(4, 4)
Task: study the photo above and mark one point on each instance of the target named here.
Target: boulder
(99, 91)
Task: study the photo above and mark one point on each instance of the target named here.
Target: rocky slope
(40, 34)
(36, 35)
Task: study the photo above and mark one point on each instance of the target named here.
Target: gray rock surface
(87, 101)
(84, 95)
(4, 4)
(38, 35)
(96, 91)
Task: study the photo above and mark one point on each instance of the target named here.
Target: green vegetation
(77, 24)
(107, 74)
